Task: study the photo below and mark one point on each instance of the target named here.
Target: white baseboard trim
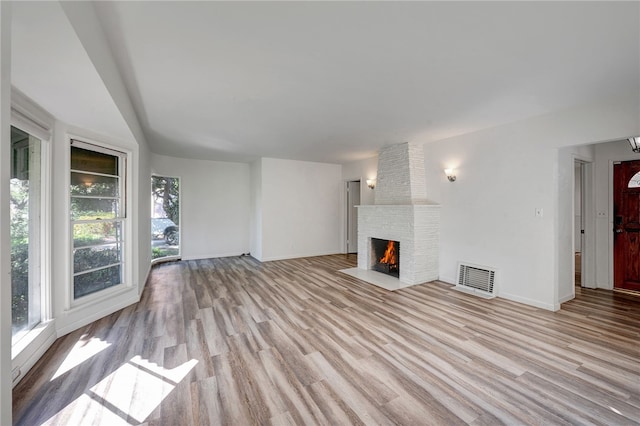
(86, 316)
(566, 298)
(211, 256)
(297, 256)
(447, 280)
(530, 302)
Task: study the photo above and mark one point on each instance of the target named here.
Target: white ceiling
(332, 81)
(49, 65)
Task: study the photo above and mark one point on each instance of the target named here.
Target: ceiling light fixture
(635, 144)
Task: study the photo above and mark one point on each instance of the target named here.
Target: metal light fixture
(635, 144)
(371, 183)
(450, 174)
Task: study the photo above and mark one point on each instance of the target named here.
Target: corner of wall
(5, 244)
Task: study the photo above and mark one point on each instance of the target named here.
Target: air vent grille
(476, 279)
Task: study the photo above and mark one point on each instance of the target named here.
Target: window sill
(99, 296)
(26, 352)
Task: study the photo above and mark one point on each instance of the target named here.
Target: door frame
(588, 272)
(179, 255)
(345, 194)
(610, 188)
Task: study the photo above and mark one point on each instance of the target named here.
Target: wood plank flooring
(235, 342)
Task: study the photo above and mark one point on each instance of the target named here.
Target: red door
(626, 225)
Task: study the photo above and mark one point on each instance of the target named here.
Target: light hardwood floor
(232, 341)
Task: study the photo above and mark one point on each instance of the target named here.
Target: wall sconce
(635, 144)
(450, 174)
(371, 183)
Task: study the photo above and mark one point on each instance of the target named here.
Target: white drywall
(255, 236)
(215, 205)
(488, 213)
(362, 170)
(143, 224)
(504, 175)
(301, 208)
(5, 240)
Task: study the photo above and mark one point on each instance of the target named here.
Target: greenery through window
(165, 217)
(26, 228)
(97, 218)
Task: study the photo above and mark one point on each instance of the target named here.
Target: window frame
(124, 218)
(38, 237)
(32, 119)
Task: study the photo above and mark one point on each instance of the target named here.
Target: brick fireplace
(403, 214)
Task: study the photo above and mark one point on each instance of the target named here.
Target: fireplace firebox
(385, 256)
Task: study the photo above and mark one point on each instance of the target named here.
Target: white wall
(605, 155)
(301, 208)
(488, 213)
(256, 209)
(362, 170)
(5, 244)
(143, 224)
(356, 170)
(504, 174)
(215, 205)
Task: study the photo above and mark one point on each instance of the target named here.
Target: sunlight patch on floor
(76, 414)
(174, 374)
(129, 394)
(81, 352)
(138, 387)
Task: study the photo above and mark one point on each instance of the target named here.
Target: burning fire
(390, 254)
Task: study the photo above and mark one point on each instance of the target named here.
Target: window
(97, 217)
(26, 233)
(165, 217)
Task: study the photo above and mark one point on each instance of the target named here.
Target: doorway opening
(584, 225)
(578, 227)
(165, 218)
(353, 200)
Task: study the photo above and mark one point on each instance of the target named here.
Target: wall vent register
(476, 279)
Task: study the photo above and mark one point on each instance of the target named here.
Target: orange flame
(389, 254)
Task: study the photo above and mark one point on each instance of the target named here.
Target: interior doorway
(578, 209)
(626, 225)
(584, 224)
(353, 200)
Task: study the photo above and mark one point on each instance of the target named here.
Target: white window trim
(30, 118)
(22, 122)
(71, 303)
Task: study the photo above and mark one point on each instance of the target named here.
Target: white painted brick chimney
(401, 177)
(401, 213)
